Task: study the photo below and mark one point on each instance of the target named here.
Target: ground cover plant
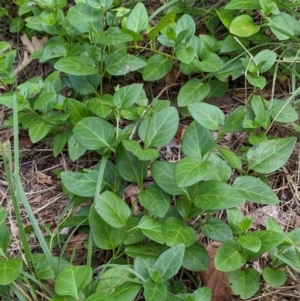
(104, 95)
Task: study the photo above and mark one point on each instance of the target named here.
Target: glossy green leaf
(2, 214)
(94, 133)
(175, 232)
(75, 149)
(269, 240)
(243, 26)
(250, 241)
(163, 175)
(230, 157)
(121, 63)
(133, 146)
(10, 270)
(267, 57)
(104, 236)
(244, 283)
(210, 62)
(84, 84)
(160, 129)
(291, 258)
(126, 96)
(163, 22)
(76, 65)
(274, 277)
(242, 4)
(133, 234)
(255, 190)
(170, 261)
(101, 106)
(197, 140)
(209, 116)
(195, 258)
(77, 110)
(231, 71)
(187, 24)
(234, 121)
(137, 20)
(130, 167)
(202, 294)
(283, 111)
(269, 156)
(229, 257)
(152, 228)
(142, 266)
(271, 224)
(279, 22)
(112, 209)
(158, 65)
(59, 142)
(216, 195)
(188, 171)
(256, 81)
(155, 200)
(72, 280)
(154, 291)
(193, 91)
(216, 229)
(4, 239)
(149, 250)
(185, 54)
(38, 130)
(220, 171)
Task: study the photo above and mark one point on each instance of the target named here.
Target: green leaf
(112, 209)
(76, 65)
(142, 266)
(94, 133)
(216, 229)
(160, 129)
(210, 62)
(202, 294)
(175, 232)
(274, 277)
(216, 195)
(129, 166)
(283, 111)
(277, 24)
(230, 157)
(163, 175)
(250, 241)
(84, 18)
(269, 240)
(243, 26)
(267, 57)
(255, 190)
(189, 171)
(77, 111)
(220, 171)
(155, 291)
(127, 96)
(242, 4)
(193, 91)
(269, 156)
(170, 261)
(101, 106)
(256, 81)
(104, 236)
(2, 214)
(291, 258)
(229, 257)
(185, 23)
(158, 65)
(59, 142)
(156, 201)
(84, 84)
(124, 292)
(133, 146)
(152, 228)
(75, 149)
(149, 250)
(72, 280)
(195, 258)
(209, 116)
(121, 63)
(197, 141)
(231, 71)
(244, 283)
(4, 239)
(185, 54)
(38, 130)
(234, 121)
(137, 20)
(272, 225)
(10, 270)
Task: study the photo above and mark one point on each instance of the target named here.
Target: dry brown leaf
(76, 242)
(214, 279)
(261, 214)
(43, 179)
(25, 142)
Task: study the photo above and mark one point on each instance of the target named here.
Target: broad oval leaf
(244, 283)
(220, 171)
(155, 291)
(255, 190)
(243, 26)
(2, 214)
(216, 229)
(283, 111)
(104, 236)
(133, 146)
(77, 65)
(38, 130)
(230, 157)
(10, 270)
(210, 62)
(197, 141)
(185, 54)
(152, 228)
(229, 257)
(250, 241)
(121, 63)
(216, 195)
(268, 57)
(269, 239)
(160, 129)
(209, 116)
(195, 258)
(4, 240)
(274, 276)
(189, 171)
(112, 209)
(158, 65)
(193, 91)
(126, 96)
(94, 133)
(138, 18)
(72, 280)
(186, 23)
(269, 156)
(175, 232)
(242, 4)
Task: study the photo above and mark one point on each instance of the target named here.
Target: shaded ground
(39, 173)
